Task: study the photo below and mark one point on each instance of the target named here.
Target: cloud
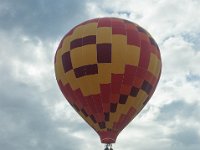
(46, 19)
(26, 122)
(193, 77)
(33, 112)
(179, 109)
(186, 137)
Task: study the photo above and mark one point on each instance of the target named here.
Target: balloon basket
(108, 147)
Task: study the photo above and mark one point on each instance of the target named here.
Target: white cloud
(30, 95)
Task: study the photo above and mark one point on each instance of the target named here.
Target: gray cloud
(186, 136)
(178, 108)
(181, 119)
(29, 94)
(193, 77)
(26, 122)
(47, 19)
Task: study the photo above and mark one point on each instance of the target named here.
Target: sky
(34, 114)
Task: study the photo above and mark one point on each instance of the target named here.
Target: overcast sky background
(34, 114)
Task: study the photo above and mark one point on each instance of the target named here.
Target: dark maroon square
(76, 43)
(91, 69)
(66, 61)
(89, 40)
(113, 107)
(104, 53)
(146, 86)
(107, 116)
(80, 71)
(134, 91)
(86, 70)
(123, 99)
(102, 125)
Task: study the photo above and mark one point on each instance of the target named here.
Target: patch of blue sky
(126, 13)
(193, 77)
(194, 39)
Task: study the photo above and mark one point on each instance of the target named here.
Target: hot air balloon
(108, 69)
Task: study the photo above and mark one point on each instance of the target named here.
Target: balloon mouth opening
(107, 140)
(108, 137)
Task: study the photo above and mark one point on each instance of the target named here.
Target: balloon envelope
(107, 68)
